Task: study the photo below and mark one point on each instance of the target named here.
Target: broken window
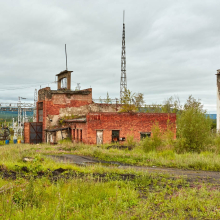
(115, 135)
(145, 134)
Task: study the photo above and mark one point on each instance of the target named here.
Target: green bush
(130, 141)
(193, 127)
(152, 143)
(147, 144)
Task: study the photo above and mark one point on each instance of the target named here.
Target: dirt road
(191, 175)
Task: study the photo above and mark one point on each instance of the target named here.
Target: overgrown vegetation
(97, 192)
(193, 127)
(42, 188)
(131, 101)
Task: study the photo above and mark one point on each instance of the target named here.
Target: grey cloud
(172, 47)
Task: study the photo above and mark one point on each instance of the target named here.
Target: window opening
(40, 112)
(115, 135)
(73, 134)
(81, 135)
(145, 134)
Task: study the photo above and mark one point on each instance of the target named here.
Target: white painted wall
(218, 111)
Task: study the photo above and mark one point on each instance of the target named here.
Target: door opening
(99, 137)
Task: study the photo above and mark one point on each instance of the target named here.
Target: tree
(171, 105)
(139, 99)
(193, 127)
(127, 101)
(108, 99)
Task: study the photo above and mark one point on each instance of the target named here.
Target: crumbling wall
(85, 109)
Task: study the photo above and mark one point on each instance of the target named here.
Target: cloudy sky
(173, 47)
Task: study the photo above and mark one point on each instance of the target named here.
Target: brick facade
(127, 124)
(97, 121)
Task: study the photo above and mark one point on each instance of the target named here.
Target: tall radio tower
(123, 83)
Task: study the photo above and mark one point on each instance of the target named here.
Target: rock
(28, 159)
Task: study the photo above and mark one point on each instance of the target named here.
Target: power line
(18, 88)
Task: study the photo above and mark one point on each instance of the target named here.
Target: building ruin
(64, 113)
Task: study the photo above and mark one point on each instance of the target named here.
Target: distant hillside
(8, 115)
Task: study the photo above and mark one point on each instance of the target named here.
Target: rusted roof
(65, 91)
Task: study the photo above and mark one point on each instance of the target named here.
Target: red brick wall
(79, 126)
(127, 123)
(26, 132)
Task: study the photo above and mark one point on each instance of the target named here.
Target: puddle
(83, 160)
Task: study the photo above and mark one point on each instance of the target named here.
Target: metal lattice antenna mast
(123, 83)
(35, 106)
(66, 57)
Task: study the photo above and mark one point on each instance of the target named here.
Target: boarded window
(115, 135)
(145, 134)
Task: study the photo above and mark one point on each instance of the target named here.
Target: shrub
(130, 141)
(147, 145)
(169, 135)
(193, 127)
(153, 143)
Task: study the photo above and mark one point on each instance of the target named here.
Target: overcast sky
(172, 47)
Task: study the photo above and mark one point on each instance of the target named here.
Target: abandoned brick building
(65, 113)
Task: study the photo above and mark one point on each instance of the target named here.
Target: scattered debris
(120, 147)
(28, 159)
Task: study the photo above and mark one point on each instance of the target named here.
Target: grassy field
(45, 189)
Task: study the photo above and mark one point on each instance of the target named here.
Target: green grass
(87, 195)
(12, 154)
(148, 196)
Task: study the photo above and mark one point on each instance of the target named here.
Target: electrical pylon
(123, 83)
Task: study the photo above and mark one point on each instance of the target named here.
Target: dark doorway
(115, 135)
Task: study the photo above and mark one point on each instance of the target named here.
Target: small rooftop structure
(64, 80)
